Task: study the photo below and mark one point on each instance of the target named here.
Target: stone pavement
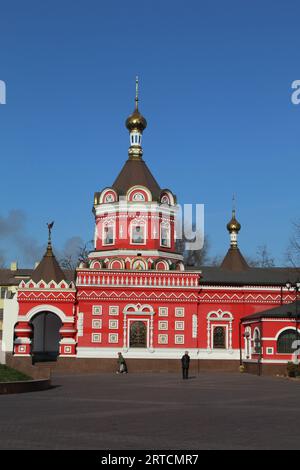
(154, 411)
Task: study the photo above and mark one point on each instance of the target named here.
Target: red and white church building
(135, 295)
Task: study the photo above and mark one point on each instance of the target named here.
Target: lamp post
(295, 286)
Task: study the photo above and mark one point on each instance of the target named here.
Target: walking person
(185, 362)
(122, 366)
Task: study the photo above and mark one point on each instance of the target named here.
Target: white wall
(10, 318)
(2, 354)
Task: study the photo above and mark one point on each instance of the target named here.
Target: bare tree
(70, 261)
(293, 251)
(263, 258)
(195, 258)
(2, 260)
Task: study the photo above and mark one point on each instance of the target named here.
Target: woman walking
(122, 367)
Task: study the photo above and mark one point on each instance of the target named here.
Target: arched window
(256, 341)
(165, 234)
(108, 232)
(219, 337)
(285, 342)
(138, 233)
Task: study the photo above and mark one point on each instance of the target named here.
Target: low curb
(24, 386)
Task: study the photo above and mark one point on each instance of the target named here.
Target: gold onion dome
(233, 225)
(136, 122)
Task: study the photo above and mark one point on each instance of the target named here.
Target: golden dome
(233, 225)
(136, 122)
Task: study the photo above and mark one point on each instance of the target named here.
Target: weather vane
(50, 226)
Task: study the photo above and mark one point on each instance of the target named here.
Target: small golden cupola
(136, 124)
(233, 228)
(234, 260)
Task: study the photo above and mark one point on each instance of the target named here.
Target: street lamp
(295, 286)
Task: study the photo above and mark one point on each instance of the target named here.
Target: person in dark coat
(185, 362)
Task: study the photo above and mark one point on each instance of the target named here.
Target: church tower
(134, 217)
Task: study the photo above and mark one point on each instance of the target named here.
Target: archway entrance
(45, 340)
(138, 335)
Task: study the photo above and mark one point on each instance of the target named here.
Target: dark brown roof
(48, 269)
(251, 276)
(284, 311)
(234, 260)
(136, 172)
(13, 278)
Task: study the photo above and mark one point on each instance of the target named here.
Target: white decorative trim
(179, 312)
(97, 323)
(137, 189)
(285, 329)
(113, 338)
(194, 326)
(163, 325)
(163, 339)
(218, 316)
(46, 308)
(113, 324)
(156, 253)
(158, 353)
(179, 325)
(179, 339)
(97, 310)
(163, 311)
(96, 338)
(113, 310)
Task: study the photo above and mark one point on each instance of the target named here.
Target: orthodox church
(135, 295)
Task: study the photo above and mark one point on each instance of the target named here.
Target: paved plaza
(154, 411)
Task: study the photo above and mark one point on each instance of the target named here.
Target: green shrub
(293, 369)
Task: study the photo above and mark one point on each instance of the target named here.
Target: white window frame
(111, 323)
(111, 307)
(179, 325)
(176, 339)
(164, 225)
(161, 310)
(94, 335)
(94, 321)
(110, 335)
(113, 225)
(179, 312)
(138, 224)
(161, 341)
(163, 325)
(100, 309)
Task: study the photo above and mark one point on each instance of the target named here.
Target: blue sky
(215, 87)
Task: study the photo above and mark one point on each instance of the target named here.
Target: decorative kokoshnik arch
(46, 308)
(142, 313)
(219, 316)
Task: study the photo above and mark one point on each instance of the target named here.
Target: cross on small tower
(49, 247)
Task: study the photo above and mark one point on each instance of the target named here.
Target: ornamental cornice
(136, 296)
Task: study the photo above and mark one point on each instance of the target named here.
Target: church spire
(136, 124)
(234, 260)
(49, 251)
(48, 269)
(136, 93)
